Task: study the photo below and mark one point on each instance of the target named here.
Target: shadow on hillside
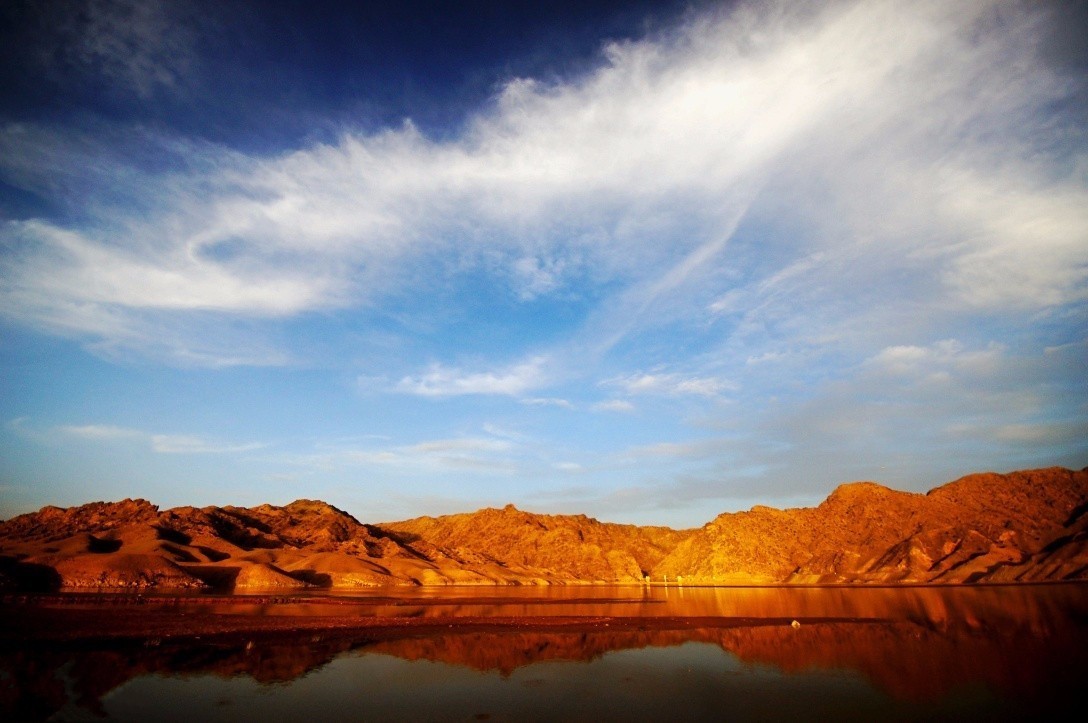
(102, 546)
(312, 577)
(29, 577)
(404, 538)
(214, 576)
(172, 535)
(224, 578)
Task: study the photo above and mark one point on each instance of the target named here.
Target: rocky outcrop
(552, 548)
(55, 523)
(131, 544)
(1024, 526)
(987, 527)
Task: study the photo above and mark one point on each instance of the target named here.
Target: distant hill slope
(1024, 526)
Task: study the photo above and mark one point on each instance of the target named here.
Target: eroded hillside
(1023, 526)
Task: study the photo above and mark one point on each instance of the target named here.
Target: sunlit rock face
(1024, 526)
(987, 527)
(553, 548)
(303, 544)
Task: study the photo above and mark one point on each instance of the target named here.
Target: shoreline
(58, 626)
(149, 619)
(397, 592)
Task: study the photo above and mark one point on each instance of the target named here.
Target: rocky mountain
(1024, 526)
(133, 545)
(1021, 526)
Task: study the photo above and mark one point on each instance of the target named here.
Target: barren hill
(987, 527)
(131, 544)
(1024, 526)
(545, 547)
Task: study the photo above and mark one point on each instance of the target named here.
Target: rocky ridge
(1023, 526)
(546, 548)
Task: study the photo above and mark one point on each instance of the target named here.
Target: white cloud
(183, 444)
(102, 431)
(460, 445)
(941, 356)
(479, 454)
(766, 357)
(161, 443)
(176, 280)
(671, 384)
(700, 449)
(614, 405)
(887, 132)
(440, 381)
(1026, 242)
(1046, 434)
(536, 276)
(547, 402)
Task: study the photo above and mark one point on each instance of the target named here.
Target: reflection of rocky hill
(1022, 526)
(918, 645)
(906, 660)
(38, 683)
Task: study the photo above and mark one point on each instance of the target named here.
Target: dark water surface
(915, 653)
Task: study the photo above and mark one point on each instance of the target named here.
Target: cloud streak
(440, 381)
(161, 443)
(482, 454)
(671, 384)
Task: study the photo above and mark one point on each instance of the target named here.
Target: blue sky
(646, 261)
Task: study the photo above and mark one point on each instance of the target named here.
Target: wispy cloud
(671, 384)
(703, 449)
(463, 444)
(614, 405)
(535, 276)
(547, 402)
(138, 47)
(183, 444)
(477, 454)
(102, 431)
(162, 443)
(877, 120)
(938, 358)
(440, 381)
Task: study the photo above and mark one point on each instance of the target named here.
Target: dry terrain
(1018, 527)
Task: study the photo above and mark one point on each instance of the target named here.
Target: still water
(974, 653)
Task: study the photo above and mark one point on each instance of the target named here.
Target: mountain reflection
(915, 644)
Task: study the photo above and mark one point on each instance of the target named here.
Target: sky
(646, 261)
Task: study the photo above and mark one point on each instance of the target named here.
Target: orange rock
(1023, 526)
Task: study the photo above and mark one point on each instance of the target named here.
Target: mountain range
(1023, 526)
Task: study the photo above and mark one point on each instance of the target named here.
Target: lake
(574, 653)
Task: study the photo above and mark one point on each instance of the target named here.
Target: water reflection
(937, 607)
(992, 652)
